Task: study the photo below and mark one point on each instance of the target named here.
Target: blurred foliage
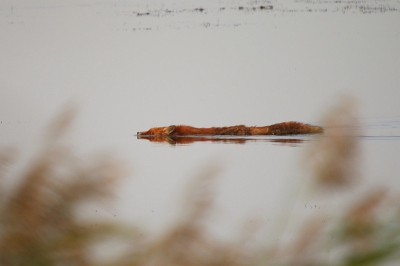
(334, 159)
(41, 221)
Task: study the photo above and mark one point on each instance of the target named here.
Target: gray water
(132, 65)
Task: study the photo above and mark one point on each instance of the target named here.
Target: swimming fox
(285, 128)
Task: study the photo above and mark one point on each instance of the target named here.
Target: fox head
(158, 131)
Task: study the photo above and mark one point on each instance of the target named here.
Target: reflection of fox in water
(285, 128)
(187, 140)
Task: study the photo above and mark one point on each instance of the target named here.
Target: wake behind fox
(285, 128)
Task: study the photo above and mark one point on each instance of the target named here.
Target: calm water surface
(131, 65)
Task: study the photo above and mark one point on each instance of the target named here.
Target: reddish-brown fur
(285, 128)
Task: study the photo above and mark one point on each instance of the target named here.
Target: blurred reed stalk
(367, 231)
(334, 160)
(40, 221)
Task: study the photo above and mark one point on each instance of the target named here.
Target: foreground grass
(40, 221)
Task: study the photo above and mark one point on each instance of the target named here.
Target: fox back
(285, 128)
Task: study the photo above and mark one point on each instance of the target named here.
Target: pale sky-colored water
(132, 65)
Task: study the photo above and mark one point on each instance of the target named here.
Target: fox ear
(169, 130)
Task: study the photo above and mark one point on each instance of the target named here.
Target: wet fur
(285, 128)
